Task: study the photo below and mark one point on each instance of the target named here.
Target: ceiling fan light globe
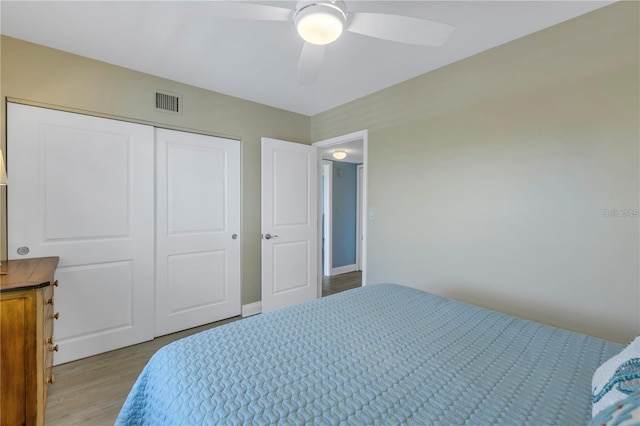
(320, 22)
(319, 28)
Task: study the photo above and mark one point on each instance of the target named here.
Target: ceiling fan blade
(311, 59)
(403, 29)
(249, 11)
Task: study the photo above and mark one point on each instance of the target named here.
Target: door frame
(327, 172)
(359, 215)
(338, 140)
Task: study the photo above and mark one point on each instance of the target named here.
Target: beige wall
(490, 176)
(38, 74)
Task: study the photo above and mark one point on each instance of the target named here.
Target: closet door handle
(269, 236)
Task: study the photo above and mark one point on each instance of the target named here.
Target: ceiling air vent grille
(168, 102)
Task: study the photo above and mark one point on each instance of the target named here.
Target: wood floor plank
(91, 391)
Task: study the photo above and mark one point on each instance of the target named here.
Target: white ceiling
(184, 41)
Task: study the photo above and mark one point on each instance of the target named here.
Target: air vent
(168, 102)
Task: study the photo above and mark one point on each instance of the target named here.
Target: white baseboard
(343, 269)
(251, 309)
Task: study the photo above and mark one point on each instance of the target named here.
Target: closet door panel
(82, 188)
(198, 227)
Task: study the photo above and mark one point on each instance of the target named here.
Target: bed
(381, 354)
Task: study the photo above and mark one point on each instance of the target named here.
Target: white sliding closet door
(82, 189)
(198, 227)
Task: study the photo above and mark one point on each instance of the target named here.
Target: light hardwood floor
(91, 391)
(338, 283)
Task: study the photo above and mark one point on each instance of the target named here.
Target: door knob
(269, 236)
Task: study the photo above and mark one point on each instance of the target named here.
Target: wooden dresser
(26, 339)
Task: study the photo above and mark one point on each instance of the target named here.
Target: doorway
(343, 227)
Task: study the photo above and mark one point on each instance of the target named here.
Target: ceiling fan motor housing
(320, 22)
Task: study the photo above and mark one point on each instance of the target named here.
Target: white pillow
(617, 378)
(622, 413)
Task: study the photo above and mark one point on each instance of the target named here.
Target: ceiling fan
(321, 22)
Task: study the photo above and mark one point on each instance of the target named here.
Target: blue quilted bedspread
(382, 354)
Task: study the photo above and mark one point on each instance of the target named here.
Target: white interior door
(289, 224)
(82, 189)
(198, 227)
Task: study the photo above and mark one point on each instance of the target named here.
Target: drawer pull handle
(50, 341)
(49, 301)
(51, 379)
(54, 348)
(56, 315)
(55, 283)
